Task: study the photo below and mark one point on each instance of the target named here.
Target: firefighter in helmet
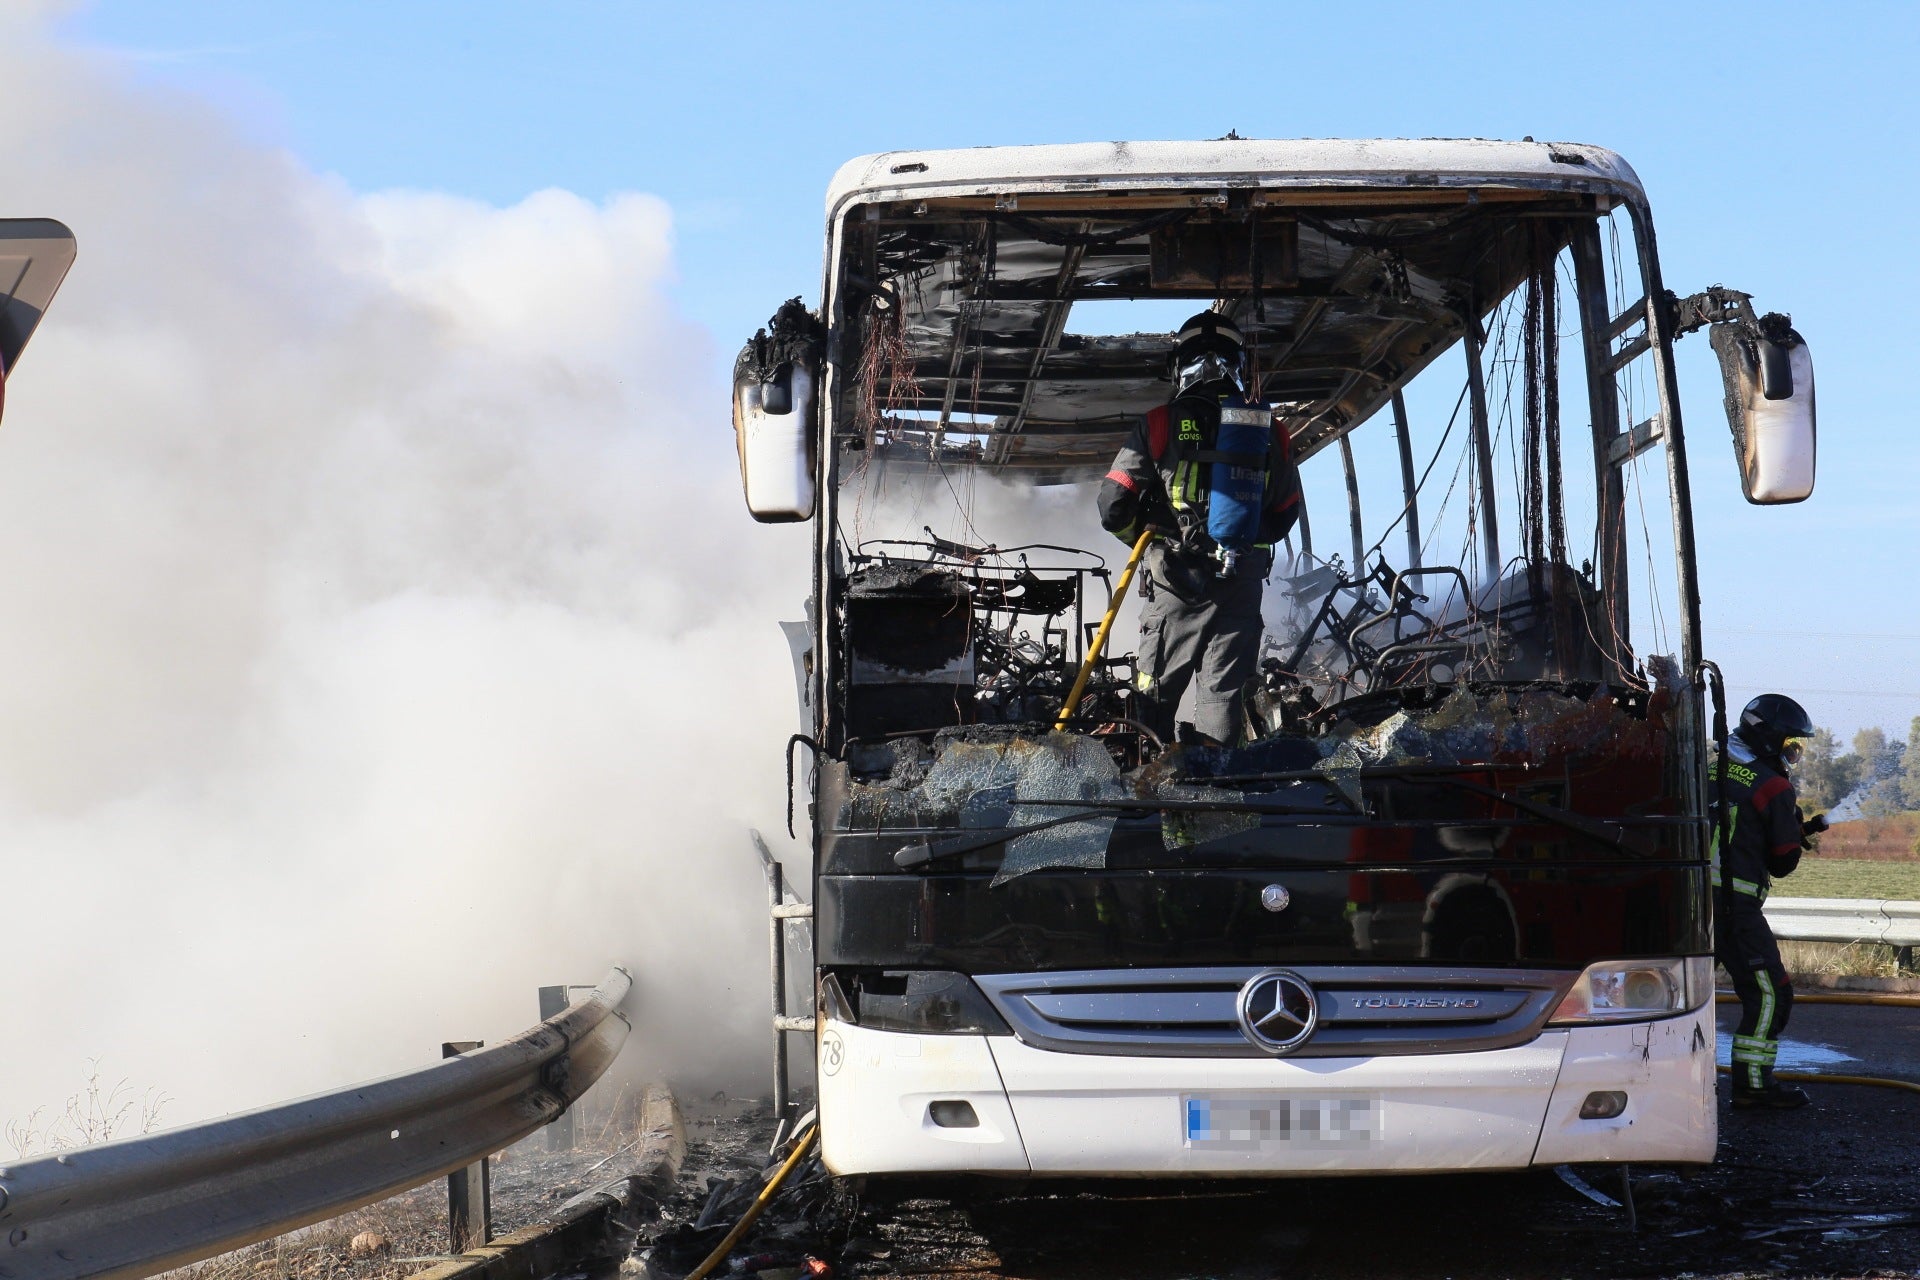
(1212, 473)
(1758, 834)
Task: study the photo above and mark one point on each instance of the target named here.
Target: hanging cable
(1533, 516)
(1550, 397)
(1421, 486)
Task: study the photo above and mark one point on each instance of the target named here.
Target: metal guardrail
(1845, 920)
(142, 1205)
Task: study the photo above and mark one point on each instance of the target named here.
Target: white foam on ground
(1795, 1055)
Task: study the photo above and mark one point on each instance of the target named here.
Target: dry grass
(410, 1228)
(99, 1112)
(1872, 840)
(1842, 959)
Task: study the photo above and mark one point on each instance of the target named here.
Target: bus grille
(1364, 1010)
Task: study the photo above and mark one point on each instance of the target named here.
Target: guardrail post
(784, 907)
(553, 1002)
(776, 889)
(469, 1190)
(1903, 959)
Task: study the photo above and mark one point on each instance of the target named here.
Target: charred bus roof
(1350, 265)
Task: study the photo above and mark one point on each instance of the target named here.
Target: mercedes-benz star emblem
(1278, 1011)
(1275, 897)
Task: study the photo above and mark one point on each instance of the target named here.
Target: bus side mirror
(34, 256)
(1770, 407)
(776, 382)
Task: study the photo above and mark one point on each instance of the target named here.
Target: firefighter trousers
(1197, 624)
(1746, 946)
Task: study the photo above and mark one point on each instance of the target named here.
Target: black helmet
(1770, 720)
(1207, 353)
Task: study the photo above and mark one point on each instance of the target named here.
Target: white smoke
(381, 633)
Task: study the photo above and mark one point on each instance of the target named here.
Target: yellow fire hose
(1898, 999)
(752, 1215)
(1904, 999)
(1820, 1077)
(1100, 637)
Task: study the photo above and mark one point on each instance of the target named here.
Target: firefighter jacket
(1761, 837)
(1161, 477)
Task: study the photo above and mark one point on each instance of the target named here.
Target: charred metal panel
(1221, 255)
(909, 638)
(1555, 909)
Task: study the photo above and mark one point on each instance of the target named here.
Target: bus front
(1443, 902)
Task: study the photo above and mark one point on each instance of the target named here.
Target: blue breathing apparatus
(1237, 483)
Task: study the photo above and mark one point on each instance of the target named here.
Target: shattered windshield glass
(1058, 796)
(978, 783)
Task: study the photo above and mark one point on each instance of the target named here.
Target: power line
(1782, 633)
(1843, 693)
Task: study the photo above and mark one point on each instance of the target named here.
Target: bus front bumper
(890, 1102)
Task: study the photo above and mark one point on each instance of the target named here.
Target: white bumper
(1043, 1112)
(1666, 1070)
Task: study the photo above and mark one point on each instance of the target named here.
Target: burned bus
(1444, 903)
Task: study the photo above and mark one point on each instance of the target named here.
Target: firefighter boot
(1771, 1095)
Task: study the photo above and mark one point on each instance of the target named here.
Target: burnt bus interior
(1473, 706)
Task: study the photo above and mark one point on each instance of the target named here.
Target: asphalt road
(1843, 1039)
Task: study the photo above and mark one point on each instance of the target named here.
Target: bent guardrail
(1845, 920)
(142, 1205)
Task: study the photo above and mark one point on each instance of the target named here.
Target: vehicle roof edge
(907, 174)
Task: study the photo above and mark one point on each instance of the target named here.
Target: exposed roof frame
(1007, 331)
(1052, 327)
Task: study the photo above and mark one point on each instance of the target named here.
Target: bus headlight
(1636, 990)
(928, 1002)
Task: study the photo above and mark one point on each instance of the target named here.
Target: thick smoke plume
(381, 635)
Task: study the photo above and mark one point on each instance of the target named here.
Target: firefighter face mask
(1209, 372)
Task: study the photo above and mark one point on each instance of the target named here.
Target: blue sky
(1773, 139)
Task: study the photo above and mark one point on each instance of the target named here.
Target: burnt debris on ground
(729, 1159)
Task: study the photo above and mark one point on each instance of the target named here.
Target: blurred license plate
(1239, 1124)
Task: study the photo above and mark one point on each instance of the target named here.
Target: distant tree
(1910, 774)
(1870, 745)
(1883, 771)
(1886, 793)
(1824, 777)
